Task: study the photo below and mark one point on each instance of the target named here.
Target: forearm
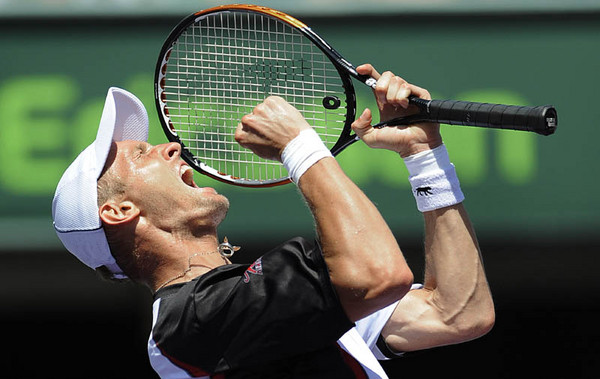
(455, 304)
(365, 262)
(454, 269)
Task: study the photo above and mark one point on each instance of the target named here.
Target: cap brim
(123, 118)
(75, 209)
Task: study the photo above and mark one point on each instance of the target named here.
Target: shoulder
(297, 248)
(297, 244)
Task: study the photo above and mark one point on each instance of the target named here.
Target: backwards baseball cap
(74, 209)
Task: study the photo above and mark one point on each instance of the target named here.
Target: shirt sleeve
(371, 326)
(238, 315)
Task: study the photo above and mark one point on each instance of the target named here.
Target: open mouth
(187, 175)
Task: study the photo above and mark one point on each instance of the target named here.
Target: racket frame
(343, 67)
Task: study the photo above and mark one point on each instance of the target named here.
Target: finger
(382, 86)
(245, 120)
(246, 131)
(260, 108)
(240, 134)
(418, 91)
(393, 88)
(401, 96)
(363, 123)
(368, 69)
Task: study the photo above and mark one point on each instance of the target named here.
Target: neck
(192, 260)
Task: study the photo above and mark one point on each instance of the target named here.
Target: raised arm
(365, 263)
(455, 304)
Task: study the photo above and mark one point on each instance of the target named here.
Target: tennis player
(328, 308)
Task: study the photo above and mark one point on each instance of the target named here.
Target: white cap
(74, 208)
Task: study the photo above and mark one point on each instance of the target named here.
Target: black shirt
(279, 317)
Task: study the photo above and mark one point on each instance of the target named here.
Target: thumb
(362, 125)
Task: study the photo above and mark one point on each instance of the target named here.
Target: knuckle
(398, 80)
(380, 88)
(272, 99)
(239, 136)
(260, 106)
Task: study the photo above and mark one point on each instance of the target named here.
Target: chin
(219, 206)
(224, 209)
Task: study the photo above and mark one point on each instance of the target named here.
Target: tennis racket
(218, 64)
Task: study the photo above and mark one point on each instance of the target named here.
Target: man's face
(161, 185)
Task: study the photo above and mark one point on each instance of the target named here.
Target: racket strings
(225, 64)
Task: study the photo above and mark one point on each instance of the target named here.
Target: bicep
(417, 323)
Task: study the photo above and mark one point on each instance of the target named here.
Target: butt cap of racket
(550, 120)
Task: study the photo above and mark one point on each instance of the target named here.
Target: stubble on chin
(217, 208)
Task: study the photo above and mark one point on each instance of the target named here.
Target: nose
(171, 150)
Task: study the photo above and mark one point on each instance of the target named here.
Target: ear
(119, 213)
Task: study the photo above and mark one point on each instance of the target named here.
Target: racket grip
(541, 119)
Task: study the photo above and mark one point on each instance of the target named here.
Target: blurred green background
(530, 197)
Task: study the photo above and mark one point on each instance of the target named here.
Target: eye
(139, 151)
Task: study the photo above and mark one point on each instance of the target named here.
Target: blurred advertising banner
(55, 74)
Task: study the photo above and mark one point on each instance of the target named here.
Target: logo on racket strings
(273, 72)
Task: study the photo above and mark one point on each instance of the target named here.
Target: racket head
(218, 64)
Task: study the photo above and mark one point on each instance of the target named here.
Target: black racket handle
(541, 119)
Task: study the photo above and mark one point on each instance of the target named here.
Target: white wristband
(433, 179)
(302, 152)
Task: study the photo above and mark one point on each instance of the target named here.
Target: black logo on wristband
(423, 191)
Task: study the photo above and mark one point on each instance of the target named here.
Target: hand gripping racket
(218, 64)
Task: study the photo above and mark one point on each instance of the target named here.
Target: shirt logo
(255, 269)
